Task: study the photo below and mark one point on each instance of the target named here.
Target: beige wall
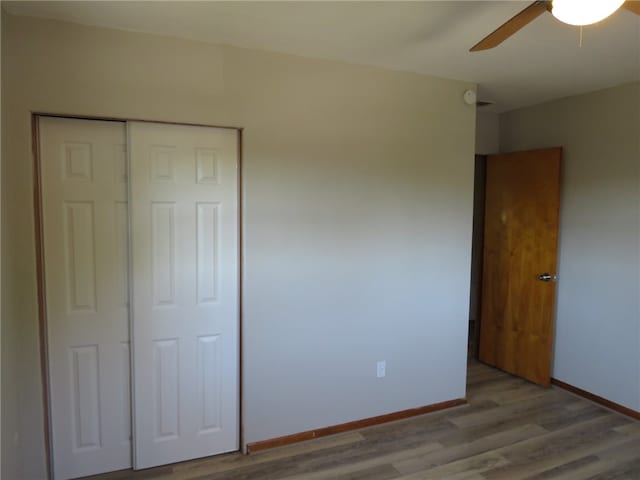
(597, 345)
(357, 215)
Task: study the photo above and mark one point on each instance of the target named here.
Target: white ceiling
(541, 62)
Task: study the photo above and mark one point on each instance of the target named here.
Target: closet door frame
(40, 267)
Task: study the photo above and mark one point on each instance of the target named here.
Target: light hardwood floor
(510, 430)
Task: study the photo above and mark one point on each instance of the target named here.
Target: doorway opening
(477, 246)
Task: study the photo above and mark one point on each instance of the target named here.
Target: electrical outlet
(382, 369)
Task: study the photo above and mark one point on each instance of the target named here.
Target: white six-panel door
(184, 219)
(84, 208)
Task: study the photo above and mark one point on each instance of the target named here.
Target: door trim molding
(240, 294)
(41, 292)
(345, 427)
(127, 119)
(616, 407)
(40, 269)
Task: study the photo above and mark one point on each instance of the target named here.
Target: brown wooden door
(520, 244)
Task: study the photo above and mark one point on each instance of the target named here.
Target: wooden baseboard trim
(616, 407)
(345, 427)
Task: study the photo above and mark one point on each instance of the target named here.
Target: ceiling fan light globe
(584, 12)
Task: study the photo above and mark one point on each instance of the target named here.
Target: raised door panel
(80, 256)
(166, 389)
(85, 397)
(207, 252)
(209, 383)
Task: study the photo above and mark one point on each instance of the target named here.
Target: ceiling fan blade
(510, 27)
(633, 6)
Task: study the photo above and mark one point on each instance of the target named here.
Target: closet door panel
(184, 217)
(84, 219)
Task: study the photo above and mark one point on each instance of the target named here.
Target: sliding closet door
(185, 291)
(84, 213)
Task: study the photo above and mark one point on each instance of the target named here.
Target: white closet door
(185, 291)
(84, 203)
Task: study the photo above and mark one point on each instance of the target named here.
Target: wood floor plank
(225, 463)
(557, 448)
(594, 465)
(460, 469)
(383, 472)
(622, 471)
(526, 407)
(632, 428)
(466, 450)
(353, 468)
(503, 396)
(569, 470)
